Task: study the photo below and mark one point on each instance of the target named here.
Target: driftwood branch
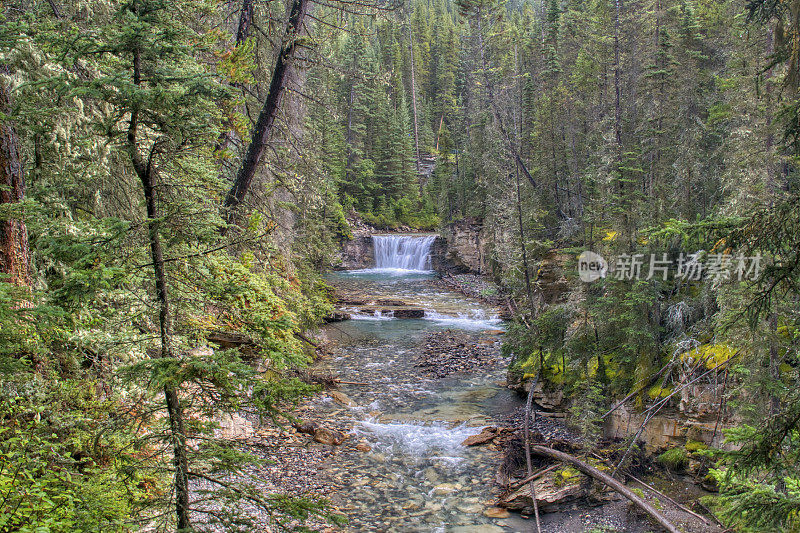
(607, 480)
(533, 477)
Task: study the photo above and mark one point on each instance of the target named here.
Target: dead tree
(266, 119)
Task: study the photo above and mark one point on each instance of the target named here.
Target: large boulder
(331, 437)
(554, 492)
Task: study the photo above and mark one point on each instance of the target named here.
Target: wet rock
(481, 528)
(553, 493)
(470, 509)
(443, 489)
(387, 301)
(486, 435)
(309, 428)
(363, 447)
(409, 313)
(331, 437)
(337, 316)
(342, 398)
(431, 475)
(496, 512)
(358, 252)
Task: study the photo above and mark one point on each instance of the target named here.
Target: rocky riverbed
(419, 431)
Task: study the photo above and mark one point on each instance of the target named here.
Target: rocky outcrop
(694, 420)
(544, 396)
(550, 283)
(466, 246)
(357, 253)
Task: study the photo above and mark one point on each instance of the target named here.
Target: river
(416, 476)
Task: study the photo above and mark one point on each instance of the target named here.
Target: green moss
(695, 446)
(674, 458)
(565, 475)
(658, 392)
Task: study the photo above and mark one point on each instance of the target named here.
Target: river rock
(337, 316)
(331, 437)
(309, 428)
(388, 301)
(481, 528)
(447, 352)
(409, 313)
(470, 509)
(363, 447)
(486, 435)
(443, 489)
(342, 398)
(496, 512)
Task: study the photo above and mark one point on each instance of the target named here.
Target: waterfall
(403, 252)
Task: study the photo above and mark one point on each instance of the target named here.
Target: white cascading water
(403, 252)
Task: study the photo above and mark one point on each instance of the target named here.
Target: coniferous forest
(400, 265)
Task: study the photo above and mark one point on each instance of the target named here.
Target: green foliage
(53, 477)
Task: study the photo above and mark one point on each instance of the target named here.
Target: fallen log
(659, 493)
(608, 480)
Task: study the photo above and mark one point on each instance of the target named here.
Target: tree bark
(245, 20)
(608, 480)
(266, 119)
(14, 251)
(146, 174)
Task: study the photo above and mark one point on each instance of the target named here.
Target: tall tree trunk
(146, 174)
(14, 251)
(245, 21)
(523, 248)
(228, 134)
(266, 119)
(348, 137)
(492, 104)
(617, 89)
(414, 101)
(618, 118)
